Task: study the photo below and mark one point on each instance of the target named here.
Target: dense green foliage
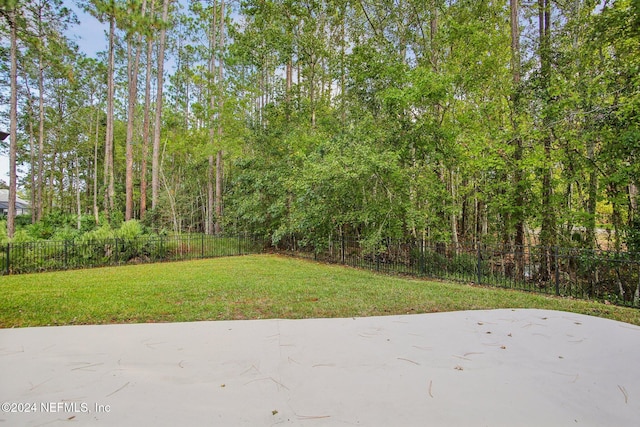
(407, 118)
(57, 226)
(53, 244)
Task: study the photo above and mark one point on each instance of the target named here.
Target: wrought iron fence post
(556, 265)
(8, 258)
(479, 272)
(66, 253)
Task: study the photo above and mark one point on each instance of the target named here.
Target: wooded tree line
(461, 120)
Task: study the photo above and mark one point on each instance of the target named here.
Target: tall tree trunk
(187, 95)
(108, 146)
(219, 163)
(209, 223)
(32, 148)
(593, 194)
(213, 40)
(155, 159)
(343, 42)
(96, 214)
(39, 182)
(146, 123)
(433, 34)
(50, 191)
(128, 187)
(61, 171)
(312, 100)
(548, 228)
(289, 78)
(518, 181)
(13, 120)
(453, 217)
(78, 201)
(32, 161)
(219, 189)
(132, 72)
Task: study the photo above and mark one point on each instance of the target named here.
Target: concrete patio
(473, 368)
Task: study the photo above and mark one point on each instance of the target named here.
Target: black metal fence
(31, 257)
(603, 275)
(587, 274)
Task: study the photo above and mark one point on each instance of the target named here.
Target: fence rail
(587, 274)
(32, 257)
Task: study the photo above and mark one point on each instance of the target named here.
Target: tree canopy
(482, 121)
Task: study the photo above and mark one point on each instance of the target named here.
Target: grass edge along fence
(586, 274)
(40, 256)
(609, 276)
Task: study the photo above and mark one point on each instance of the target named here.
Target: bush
(50, 225)
(22, 236)
(103, 233)
(23, 221)
(130, 230)
(66, 233)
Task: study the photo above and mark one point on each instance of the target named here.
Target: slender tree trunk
(155, 159)
(210, 196)
(63, 166)
(39, 183)
(187, 95)
(289, 77)
(219, 162)
(343, 42)
(128, 210)
(78, 201)
(453, 217)
(50, 192)
(312, 100)
(133, 101)
(13, 121)
(219, 189)
(41, 119)
(593, 194)
(213, 40)
(96, 214)
(146, 123)
(108, 146)
(32, 161)
(547, 232)
(433, 34)
(518, 212)
(633, 199)
(32, 148)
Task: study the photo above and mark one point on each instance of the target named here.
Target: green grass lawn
(249, 287)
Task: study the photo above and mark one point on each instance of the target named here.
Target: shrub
(3, 232)
(22, 236)
(103, 233)
(130, 230)
(65, 233)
